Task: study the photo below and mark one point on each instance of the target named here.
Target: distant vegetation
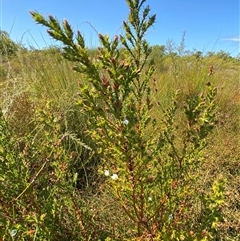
(124, 142)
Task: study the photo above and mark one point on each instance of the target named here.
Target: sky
(209, 25)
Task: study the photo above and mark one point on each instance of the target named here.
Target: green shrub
(150, 164)
(7, 46)
(38, 195)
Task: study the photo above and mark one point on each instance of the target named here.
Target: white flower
(114, 176)
(149, 199)
(171, 217)
(13, 232)
(106, 173)
(126, 122)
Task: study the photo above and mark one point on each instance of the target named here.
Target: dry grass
(37, 77)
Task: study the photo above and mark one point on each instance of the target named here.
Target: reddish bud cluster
(150, 179)
(174, 184)
(118, 104)
(115, 86)
(113, 60)
(100, 36)
(105, 82)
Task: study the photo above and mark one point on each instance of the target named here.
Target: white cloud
(235, 39)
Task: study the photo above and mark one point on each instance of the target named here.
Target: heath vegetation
(123, 142)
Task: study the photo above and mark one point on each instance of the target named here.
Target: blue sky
(210, 25)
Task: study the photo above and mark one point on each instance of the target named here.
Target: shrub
(150, 164)
(7, 46)
(38, 195)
